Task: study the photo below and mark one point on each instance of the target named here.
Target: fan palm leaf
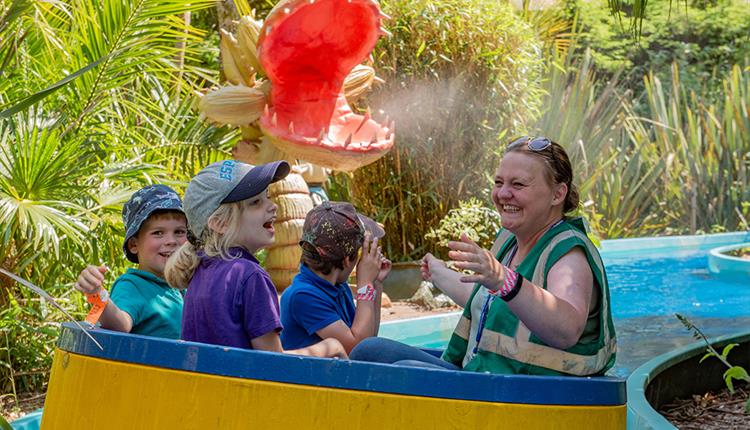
(37, 181)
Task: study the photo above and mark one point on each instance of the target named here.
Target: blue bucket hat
(141, 205)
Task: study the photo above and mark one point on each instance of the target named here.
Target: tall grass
(681, 168)
(613, 172)
(710, 142)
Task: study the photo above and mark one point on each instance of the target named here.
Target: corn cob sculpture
(289, 80)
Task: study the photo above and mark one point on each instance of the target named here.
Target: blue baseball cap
(227, 181)
(141, 205)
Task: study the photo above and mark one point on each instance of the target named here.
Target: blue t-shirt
(230, 302)
(154, 307)
(310, 304)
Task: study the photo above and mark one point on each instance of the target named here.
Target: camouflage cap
(335, 230)
(141, 205)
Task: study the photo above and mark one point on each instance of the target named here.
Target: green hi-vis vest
(507, 346)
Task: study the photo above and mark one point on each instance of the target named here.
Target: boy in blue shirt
(319, 303)
(141, 301)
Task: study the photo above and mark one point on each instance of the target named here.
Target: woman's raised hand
(467, 255)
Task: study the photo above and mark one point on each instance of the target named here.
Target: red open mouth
(307, 48)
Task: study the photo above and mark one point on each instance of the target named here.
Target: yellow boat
(139, 382)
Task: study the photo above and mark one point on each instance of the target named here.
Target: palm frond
(34, 98)
(37, 180)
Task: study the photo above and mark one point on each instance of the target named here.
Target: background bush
(705, 38)
(473, 217)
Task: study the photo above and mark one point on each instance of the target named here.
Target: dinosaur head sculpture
(307, 48)
(310, 52)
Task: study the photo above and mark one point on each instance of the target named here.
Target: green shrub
(478, 221)
(26, 346)
(704, 38)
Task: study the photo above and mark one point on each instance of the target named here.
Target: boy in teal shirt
(141, 301)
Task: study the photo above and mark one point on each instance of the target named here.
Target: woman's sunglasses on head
(535, 144)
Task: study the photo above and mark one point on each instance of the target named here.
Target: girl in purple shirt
(230, 299)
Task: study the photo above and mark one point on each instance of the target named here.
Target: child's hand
(369, 265)
(91, 279)
(429, 263)
(385, 269)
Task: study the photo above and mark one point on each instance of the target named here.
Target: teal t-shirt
(154, 306)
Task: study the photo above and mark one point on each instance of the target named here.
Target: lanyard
(483, 320)
(488, 302)
(491, 297)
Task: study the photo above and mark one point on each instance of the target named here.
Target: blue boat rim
(344, 374)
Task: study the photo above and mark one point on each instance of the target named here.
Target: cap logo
(227, 168)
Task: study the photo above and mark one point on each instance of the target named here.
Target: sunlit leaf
(725, 351)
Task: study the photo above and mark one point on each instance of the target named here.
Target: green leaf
(14, 12)
(420, 49)
(735, 372)
(4, 424)
(708, 354)
(728, 348)
(32, 99)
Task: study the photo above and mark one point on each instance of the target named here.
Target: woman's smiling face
(523, 196)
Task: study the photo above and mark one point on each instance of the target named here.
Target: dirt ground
(405, 310)
(27, 402)
(711, 411)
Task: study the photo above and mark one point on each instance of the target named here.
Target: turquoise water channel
(650, 280)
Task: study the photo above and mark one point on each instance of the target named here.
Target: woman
(538, 302)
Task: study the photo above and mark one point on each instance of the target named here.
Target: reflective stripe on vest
(546, 356)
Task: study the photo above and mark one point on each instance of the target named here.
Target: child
(319, 304)
(230, 299)
(141, 301)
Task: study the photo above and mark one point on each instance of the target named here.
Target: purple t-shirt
(230, 302)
